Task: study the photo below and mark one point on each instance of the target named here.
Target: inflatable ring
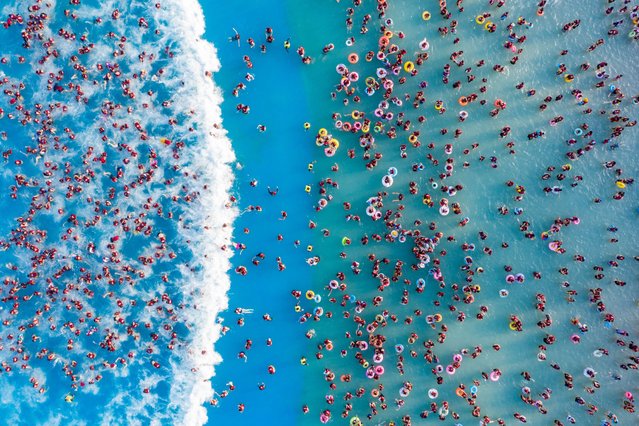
(463, 101)
(388, 34)
(512, 326)
(317, 298)
(434, 185)
(349, 42)
(480, 19)
(307, 125)
(334, 143)
(375, 393)
(412, 138)
(488, 25)
(503, 293)
(578, 132)
(473, 390)
(384, 41)
(355, 421)
(540, 12)
(620, 184)
(433, 393)
(437, 317)
(310, 294)
(346, 241)
(298, 308)
(409, 66)
(322, 132)
(569, 78)
(426, 15)
(353, 58)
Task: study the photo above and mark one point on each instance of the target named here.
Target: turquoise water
(171, 159)
(484, 192)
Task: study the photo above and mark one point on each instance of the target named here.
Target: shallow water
(484, 192)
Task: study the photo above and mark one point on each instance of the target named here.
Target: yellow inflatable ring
(310, 294)
(409, 66)
(426, 15)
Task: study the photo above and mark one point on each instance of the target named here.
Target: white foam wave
(210, 160)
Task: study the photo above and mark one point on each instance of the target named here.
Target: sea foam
(211, 217)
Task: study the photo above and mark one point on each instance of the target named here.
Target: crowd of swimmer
(87, 284)
(396, 66)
